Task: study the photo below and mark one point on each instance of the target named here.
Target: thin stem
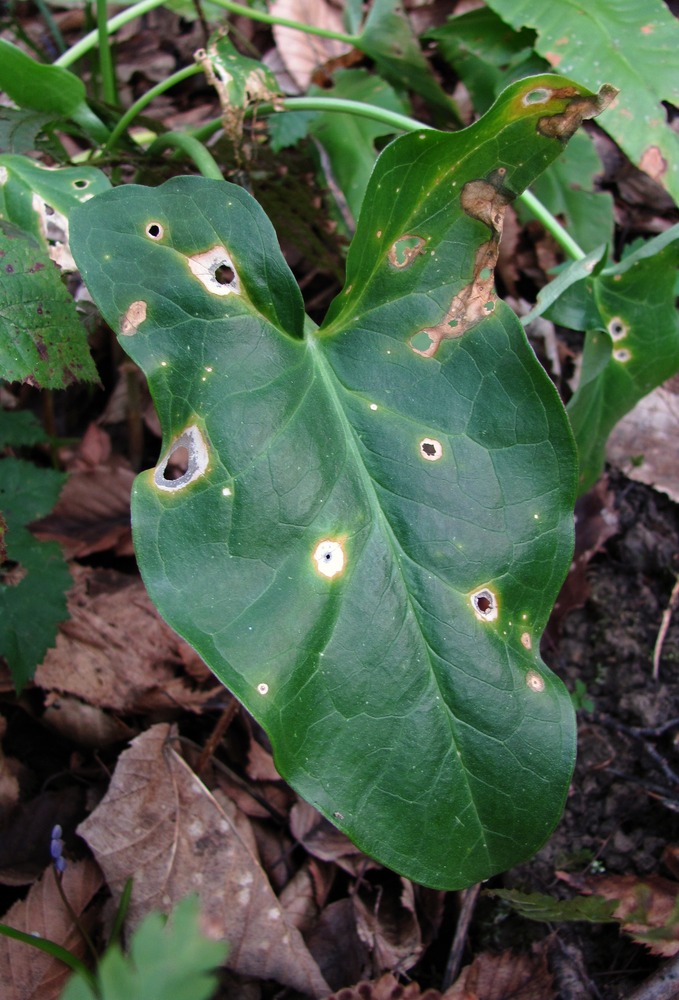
(74, 917)
(91, 39)
(108, 77)
(195, 150)
(400, 123)
(139, 105)
(564, 239)
(284, 22)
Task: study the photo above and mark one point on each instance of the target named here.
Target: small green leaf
(33, 584)
(20, 429)
(388, 39)
(539, 906)
(167, 959)
(486, 54)
(366, 533)
(634, 46)
(41, 338)
(632, 342)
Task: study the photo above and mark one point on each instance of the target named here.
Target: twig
(469, 898)
(664, 626)
(663, 985)
(222, 724)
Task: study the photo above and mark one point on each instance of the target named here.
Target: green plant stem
(108, 77)
(50, 948)
(203, 159)
(139, 105)
(74, 916)
(563, 238)
(91, 40)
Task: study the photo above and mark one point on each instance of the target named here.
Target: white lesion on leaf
(526, 640)
(534, 681)
(485, 604)
(405, 249)
(329, 557)
(431, 449)
(188, 450)
(617, 328)
(622, 355)
(215, 270)
(134, 316)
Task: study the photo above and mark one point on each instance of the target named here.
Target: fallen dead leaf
(648, 907)
(159, 824)
(643, 445)
(387, 922)
(92, 513)
(325, 842)
(504, 977)
(300, 53)
(335, 945)
(384, 988)
(115, 652)
(25, 972)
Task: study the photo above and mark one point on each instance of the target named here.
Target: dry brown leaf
(9, 782)
(92, 513)
(115, 652)
(336, 946)
(322, 840)
(25, 972)
(387, 922)
(643, 444)
(385, 988)
(504, 977)
(159, 824)
(83, 724)
(648, 907)
(303, 54)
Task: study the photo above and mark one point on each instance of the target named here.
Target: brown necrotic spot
(404, 251)
(578, 108)
(431, 449)
(215, 270)
(133, 318)
(154, 230)
(186, 460)
(526, 640)
(534, 681)
(485, 605)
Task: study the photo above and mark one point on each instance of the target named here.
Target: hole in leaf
(431, 449)
(224, 274)
(186, 460)
(617, 328)
(484, 603)
(154, 230)
(537, 96)
(405, 250)
(81, 183)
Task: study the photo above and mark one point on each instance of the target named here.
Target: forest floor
(123, 716)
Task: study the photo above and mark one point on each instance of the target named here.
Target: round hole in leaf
(485, 605)
(224, 274)
(431, 449)
(154, 230)
(81, 183)
(421, 342)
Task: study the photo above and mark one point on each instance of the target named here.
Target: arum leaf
(363, 528)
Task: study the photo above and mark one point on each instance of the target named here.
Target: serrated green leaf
(33, 589)
(41, 338)
(633, 46)
(62, 189)
(539, 906)
(349, 140)
(370, 529)
(20, 429)
(167, 959)
(632, 342)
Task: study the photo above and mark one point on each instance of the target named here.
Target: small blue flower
(56, 849)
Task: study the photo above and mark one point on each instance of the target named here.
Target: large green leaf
(634, 46)
(374, 518)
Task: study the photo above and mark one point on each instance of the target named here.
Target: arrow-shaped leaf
(362, 528)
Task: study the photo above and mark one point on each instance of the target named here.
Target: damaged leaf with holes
(362, 528)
